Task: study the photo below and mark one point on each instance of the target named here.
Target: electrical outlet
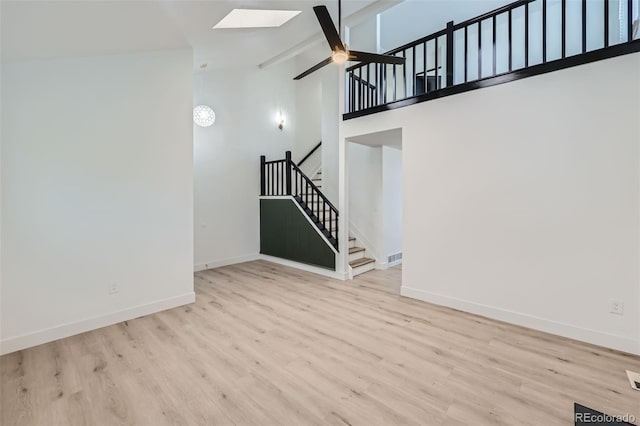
(113, 288)
(617, 307)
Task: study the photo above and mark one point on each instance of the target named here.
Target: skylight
(256, 18)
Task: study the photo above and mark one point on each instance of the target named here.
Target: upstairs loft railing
(522, 39)
(284, 178)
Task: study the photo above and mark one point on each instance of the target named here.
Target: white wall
(331, 76)
(391, 201)
(366, 197)
(308, 107)
(227, 156)
(317, 115)
(96, 190)
(364, 35)
(375, 197)
(521, 201)
(413, 19)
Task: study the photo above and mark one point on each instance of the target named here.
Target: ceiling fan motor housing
(339, 51)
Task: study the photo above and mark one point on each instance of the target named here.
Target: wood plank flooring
(269, 345)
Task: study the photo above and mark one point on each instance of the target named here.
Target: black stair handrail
(284, 178)
(309, 154)
(315, 188)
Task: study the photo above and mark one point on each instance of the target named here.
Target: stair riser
(356, 255)
(352, 243)
(362, 269)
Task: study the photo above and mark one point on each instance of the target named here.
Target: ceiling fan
(339, 51)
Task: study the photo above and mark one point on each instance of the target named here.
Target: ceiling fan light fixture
(340, 52)
(340, 56)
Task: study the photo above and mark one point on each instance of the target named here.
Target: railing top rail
(492, 13)
(417, 42)
(315, 188)
(405, 46)
(315, 148)
(274, 161)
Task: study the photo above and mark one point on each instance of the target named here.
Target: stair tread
(361, 262)
(355, 250)
(352, 238)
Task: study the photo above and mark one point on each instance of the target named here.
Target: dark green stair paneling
(286, 233)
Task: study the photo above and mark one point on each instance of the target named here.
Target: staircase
(359, 263)
(317, 179)
(284, 178)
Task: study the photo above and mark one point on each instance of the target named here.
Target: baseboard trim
(285, 262)
(24, 341)
(612, 341)
(225, 262)
(304, 267)
(387, 265)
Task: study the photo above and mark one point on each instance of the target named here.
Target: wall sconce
(280, 120)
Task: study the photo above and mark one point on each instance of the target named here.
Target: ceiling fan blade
(314, 68)
(354, 55)
(328, 28)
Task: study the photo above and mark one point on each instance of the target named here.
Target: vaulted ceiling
(45, 29)
(62, 28)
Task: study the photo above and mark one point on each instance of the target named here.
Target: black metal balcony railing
(522, 39)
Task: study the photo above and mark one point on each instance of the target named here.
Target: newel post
(262, 177)
(449, 53)
(288, 171)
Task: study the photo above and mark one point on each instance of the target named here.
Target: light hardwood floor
(269, 345)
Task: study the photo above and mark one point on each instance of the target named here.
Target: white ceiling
(391, 138)
(45, 29)
(61, 28)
